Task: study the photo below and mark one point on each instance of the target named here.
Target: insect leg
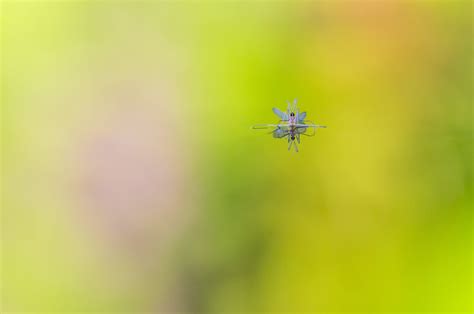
(312, 134)
(313, 127)
(263, 126)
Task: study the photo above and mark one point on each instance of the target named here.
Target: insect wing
(280, 133)
(301, 117)
(301, 130)
(280, 114)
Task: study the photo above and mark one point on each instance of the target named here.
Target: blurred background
(132, 182)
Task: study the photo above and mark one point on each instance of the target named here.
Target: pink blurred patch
(133, 179)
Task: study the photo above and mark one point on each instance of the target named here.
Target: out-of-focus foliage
(132, 182)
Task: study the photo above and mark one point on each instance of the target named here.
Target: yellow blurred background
(131, 181)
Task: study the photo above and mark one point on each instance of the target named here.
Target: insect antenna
(295, 107)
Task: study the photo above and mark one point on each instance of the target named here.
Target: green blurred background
(131, 180)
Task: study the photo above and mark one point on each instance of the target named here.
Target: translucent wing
(301, 130)
(301, 117)
(280, 133)
(280, 114)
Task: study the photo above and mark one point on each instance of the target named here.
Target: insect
(292, 125)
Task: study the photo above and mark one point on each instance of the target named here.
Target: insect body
(292, 125)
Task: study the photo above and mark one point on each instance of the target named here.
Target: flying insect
(292, 125)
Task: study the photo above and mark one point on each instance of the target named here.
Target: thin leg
(264, 126)
(296, 147)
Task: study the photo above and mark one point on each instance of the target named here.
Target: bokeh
(132, 182)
